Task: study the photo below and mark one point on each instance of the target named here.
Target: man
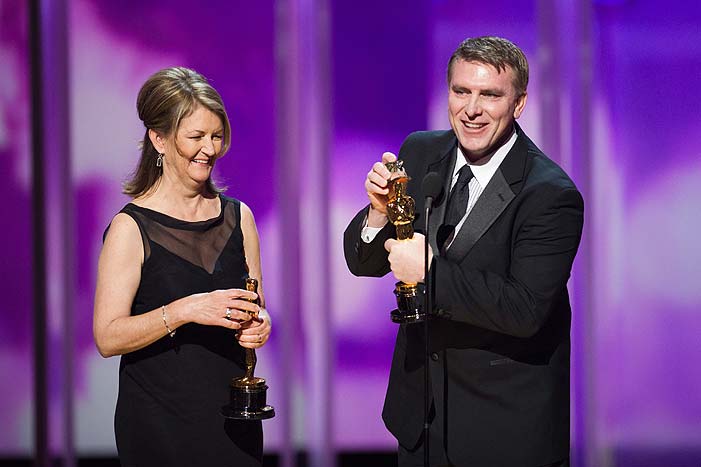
(503, 238)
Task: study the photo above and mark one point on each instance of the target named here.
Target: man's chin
(474, 152)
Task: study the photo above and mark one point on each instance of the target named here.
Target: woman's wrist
(164, 315)
(176, 313)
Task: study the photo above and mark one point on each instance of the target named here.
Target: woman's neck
(179, 201)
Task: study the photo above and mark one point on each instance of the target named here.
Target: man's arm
(518, 304)
(366, 259)
(370, 259)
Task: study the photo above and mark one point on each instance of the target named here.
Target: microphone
(432, 188)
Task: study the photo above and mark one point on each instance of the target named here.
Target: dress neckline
(170, 221)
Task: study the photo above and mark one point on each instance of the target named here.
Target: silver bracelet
(170, 332)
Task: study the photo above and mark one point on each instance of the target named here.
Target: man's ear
(158, 141)
(520, 104)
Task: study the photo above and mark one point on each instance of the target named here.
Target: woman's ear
(158, 141)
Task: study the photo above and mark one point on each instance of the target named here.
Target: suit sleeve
(519, 303)
(366, 259)
(370, 259)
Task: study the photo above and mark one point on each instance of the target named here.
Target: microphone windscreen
(432, 186)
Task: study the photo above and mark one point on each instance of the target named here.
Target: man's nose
(472, 106)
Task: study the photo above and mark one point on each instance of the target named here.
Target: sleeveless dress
(171, 391)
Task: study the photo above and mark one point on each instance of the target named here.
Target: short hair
(165, 99)
(495, 51)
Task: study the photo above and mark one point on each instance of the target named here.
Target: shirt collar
(484, 172)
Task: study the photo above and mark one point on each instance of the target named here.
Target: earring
(159, 159)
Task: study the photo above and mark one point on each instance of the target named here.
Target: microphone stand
(427, 311)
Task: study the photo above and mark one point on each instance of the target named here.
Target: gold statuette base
(247, 400)
(410, 298)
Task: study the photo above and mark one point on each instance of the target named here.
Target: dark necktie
(460, 194)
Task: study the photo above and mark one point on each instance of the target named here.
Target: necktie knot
(464, 177)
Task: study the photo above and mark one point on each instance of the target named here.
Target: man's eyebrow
(498, 92)
(495, 91)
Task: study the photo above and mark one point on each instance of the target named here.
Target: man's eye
(218, 137)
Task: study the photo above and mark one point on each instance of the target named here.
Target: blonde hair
(167, 97)
(495, 51)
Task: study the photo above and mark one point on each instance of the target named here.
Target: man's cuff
(368, 234)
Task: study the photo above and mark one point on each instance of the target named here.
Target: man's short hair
(495, 51)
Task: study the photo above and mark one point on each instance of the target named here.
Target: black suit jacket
(500, 346)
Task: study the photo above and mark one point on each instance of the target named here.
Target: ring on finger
(228, 313)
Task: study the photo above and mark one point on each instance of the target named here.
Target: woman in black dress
(170, 295)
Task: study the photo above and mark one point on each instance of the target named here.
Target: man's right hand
(376, 187)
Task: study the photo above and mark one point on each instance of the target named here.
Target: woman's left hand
(255, 332)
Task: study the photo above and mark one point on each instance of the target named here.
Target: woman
(170, 292)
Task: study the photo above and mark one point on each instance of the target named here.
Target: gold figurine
(401, 210)
(248, 380)
(248, 392)
(400, 206)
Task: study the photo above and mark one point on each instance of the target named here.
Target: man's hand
(406, 258)
(376, 187)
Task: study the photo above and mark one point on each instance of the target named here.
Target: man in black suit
(508, 228)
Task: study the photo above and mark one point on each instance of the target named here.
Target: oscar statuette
(401, 213)
(248, 392)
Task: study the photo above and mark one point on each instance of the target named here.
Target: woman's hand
(228, 308)
(254, 334)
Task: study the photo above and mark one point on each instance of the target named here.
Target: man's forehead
(484, 72)
(505, 68)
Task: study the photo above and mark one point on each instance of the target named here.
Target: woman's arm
(256, 334)
(115, 331)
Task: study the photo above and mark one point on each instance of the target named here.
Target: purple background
(614, 98)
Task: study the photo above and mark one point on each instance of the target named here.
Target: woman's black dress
(171, 392)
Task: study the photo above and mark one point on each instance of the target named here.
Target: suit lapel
(497, 195)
